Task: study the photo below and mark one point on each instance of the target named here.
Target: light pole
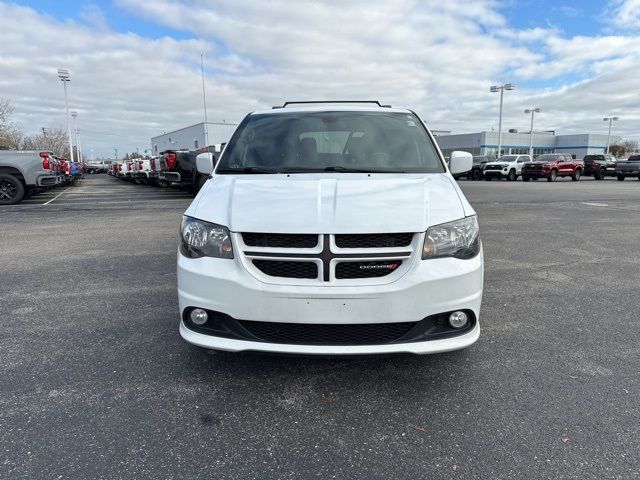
(532, 111)
(74, 115)
(79, 146)
(501, 89)
(63, 75)
(609, 119)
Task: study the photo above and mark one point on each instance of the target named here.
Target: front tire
(511, 176)
(621, 178)
(11, 189)
(600, 174)
(576, 176)
(552, 177)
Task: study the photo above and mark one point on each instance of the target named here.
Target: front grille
(493, 167)
(280, 240)
(374, 240)
(372, 269)
(534, 167)
(287, 269)
(327, 334)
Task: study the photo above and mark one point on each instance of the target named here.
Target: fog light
(198, 316)
(458, 319)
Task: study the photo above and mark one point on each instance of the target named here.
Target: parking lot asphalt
(95, 381)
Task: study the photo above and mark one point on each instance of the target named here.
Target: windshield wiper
(332, 168)
(340, 168)
(247, 170)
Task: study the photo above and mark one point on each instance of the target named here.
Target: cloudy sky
(135, 64)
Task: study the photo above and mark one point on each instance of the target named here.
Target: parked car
(143, 171)
(178, 168)
(331, 230)
(100, 166)
(124, 170)
(477, 168)
(628, 168)
(21, 172)
(156, 168)
(599, 165)
(507, 166)
(551, 166)
(479, 162)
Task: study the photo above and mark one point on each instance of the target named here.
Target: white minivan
(331, 229)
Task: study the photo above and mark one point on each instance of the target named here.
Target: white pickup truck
(331, 229)
(507, 166)
(142, 171)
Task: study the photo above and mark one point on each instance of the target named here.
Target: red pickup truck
(551, 166)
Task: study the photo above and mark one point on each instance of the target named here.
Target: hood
(500, 164)
(330, 203)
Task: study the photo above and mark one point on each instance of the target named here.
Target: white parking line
(57, 196)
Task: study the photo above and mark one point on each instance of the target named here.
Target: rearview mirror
(204, 163)
(460, 162)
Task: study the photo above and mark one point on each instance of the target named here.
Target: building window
(447, 151)
(195, 144)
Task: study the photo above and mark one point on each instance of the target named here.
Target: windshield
(300, 142)
(589, 158)
(508, 158)
(546, 158)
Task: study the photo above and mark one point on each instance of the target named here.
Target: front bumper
(536, 174)
(428, 288)
(420, 348)
(495, 173)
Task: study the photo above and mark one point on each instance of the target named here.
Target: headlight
(458, 239)
(204, 239)
(546, 165)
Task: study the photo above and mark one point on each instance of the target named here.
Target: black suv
(477, 167)
(178, 167)
(599, 165)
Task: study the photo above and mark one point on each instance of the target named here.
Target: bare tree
(53, 138)
(10, 134)
(617, 150)
(623, 148)
(632, 146)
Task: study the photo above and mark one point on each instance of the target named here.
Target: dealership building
(486, 143)
(193, 137)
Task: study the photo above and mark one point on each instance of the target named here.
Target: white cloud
(625, 13)
(436, 57)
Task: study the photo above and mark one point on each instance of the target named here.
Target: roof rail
(307, 102)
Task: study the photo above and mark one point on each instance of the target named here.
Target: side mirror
(460, 162)
(204, 163)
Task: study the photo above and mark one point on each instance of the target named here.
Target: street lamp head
(510, 86)
(537, 110)
(614, 119)
(494, 88)
(63, 74)
(74, 114)
(527, 110)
